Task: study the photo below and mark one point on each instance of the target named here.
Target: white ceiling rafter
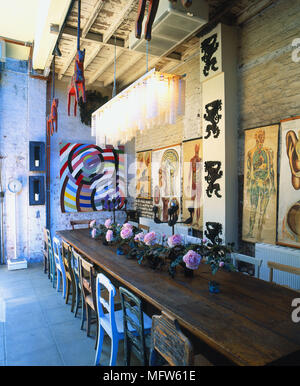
(98, 6)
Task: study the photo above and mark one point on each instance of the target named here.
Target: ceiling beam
(104, 67)
(221, 12)
(110, 32)
(126, 68)
(88, 24)
(96, 38)
(253, 9)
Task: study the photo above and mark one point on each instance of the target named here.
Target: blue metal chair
(112, 321)
(60, 269)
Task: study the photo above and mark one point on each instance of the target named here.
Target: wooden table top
(249, 321)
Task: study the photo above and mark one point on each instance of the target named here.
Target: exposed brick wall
(22, 119)
(187, 126)
(269, 80)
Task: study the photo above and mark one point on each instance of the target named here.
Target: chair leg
(83, 314)
(74, 295)
(99, 345)
(113, 351)
(78, 297)
(67, 290)
(89, 317)
(97, 321)
(58, 280)
(63, 278)
(127, 352)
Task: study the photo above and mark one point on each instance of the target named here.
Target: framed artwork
(143, 175)
(192, 181)
(260, 184)
(166, 179)
(288, 231)
(90, 174)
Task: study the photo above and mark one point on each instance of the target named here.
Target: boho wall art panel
(166, 179)
(289, 184)
(260, 184)
(143, 174)
(90, 174)
(192, 181)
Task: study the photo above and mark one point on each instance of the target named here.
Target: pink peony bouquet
(174, 240)
(126, 233)
(108, 223)
(139, 237)
(150, 238)
(127, 225)
(109, 235)
(92, 223)
(192, 259)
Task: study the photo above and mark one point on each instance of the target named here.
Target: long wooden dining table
(249, 321)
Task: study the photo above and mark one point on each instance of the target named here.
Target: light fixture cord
(78, 28)
(115, 70)
(147, 55)
(53, 77)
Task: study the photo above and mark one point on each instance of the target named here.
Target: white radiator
(282, 255)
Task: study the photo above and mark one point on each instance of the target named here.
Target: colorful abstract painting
(143, 175)
(91, 175)
(166, 179)
(289, 185)
(192, 181)
(260, 184)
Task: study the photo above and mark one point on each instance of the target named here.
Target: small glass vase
(120, 251)
(214, 287)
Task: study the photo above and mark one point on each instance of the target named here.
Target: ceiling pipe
(18, 42)
(56, 50)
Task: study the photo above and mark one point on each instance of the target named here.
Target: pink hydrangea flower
(221, 264)
(174, 240)
(192, 259)
(139, 237)
(93, 233)
(92, 223)
(109, 235)
(126, 233)
(108, 223)
(150, 238)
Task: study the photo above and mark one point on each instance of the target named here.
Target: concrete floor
(37, 328)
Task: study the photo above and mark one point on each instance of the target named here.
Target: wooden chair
(74, 223)
(133, 316)
(45, 251)
(88, 289)
(170, 344)
(112, 321)
(60, 269)
(66, 252)
(79, 301)
(52, 269)
(247, 259)
(284, 268)
(144, 227)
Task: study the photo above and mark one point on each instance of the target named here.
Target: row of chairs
(116, 311)
(256, 263)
